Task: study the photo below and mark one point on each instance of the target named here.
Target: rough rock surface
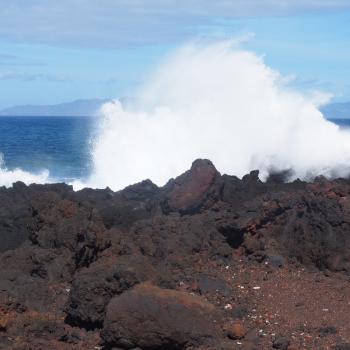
(154, 318)
(190, 191)
(208, 261)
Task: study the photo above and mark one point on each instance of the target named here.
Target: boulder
(191, 190)
(93, 288)
(67, 224)
(121, 209)
(154, 318)
(236, 330)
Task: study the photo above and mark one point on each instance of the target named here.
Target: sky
(56, 51)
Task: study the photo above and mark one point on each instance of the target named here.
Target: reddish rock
(150, 317)
(93, 288)
(188, 192)
(265, 253)
(236, 330)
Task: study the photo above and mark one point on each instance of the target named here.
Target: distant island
(91, 107)
(86, 107)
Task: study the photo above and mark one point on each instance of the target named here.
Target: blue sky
(56, 51)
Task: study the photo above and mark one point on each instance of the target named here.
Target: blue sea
(61, 145)
(342, 122)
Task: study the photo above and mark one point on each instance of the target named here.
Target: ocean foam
(8, 177)
(223, 103)
(214, 101)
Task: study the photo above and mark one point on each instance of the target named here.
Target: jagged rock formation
(206, 262)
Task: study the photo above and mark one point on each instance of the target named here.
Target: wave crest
(219, 102)
(8, 177)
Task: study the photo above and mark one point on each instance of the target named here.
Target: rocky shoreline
(208, 261)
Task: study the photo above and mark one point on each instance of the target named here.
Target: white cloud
(114, 23)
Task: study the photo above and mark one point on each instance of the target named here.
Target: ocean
(344, 123)
(61, 145)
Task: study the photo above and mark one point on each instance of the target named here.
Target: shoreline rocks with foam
(208, 261)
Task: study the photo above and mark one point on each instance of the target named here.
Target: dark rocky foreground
(206, 262)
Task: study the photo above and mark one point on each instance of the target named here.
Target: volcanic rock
(281, 343)
(154, 318)
(192, 190)
(171, 267)
(236, 330)
(93, 288)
